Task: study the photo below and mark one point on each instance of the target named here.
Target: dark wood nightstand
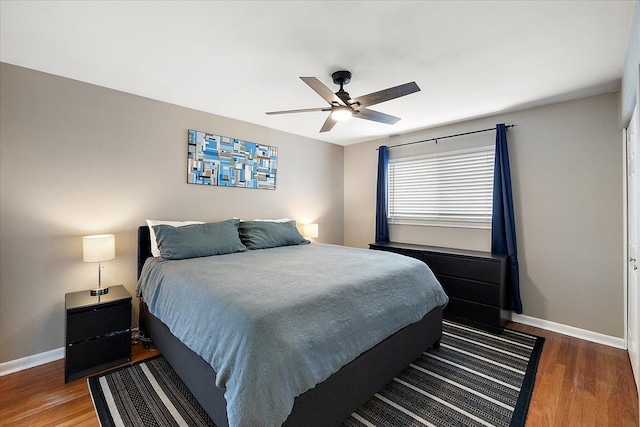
(98, 333)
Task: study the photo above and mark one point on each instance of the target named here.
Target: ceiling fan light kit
(341, 114)
(343, 107)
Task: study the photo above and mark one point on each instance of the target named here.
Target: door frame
(625, 237)
(635, 367)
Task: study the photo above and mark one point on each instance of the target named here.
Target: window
(448, 189)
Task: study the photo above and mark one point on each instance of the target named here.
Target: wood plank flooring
(39, 397)
(578, 383)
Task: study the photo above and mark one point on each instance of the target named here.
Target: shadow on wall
(530, 292)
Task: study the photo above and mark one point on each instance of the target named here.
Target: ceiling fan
(343, 107)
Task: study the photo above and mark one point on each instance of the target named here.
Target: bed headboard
(144, 246)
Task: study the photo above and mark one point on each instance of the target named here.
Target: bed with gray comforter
(274, 323)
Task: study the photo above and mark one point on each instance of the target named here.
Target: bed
(332, 399)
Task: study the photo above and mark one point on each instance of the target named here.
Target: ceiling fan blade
(387, 94)
(304, 110)
(376, 116)
(328, 124)
(322, 90)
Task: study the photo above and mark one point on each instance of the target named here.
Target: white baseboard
(58, 353)
(570, 331)
(31, 361)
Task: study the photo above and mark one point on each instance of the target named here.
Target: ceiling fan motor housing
(342, 78)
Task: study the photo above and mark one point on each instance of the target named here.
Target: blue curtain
(382, 226)
(503, 226)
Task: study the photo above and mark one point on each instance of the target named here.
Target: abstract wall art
(229, 162)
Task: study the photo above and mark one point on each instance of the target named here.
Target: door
(633, 230)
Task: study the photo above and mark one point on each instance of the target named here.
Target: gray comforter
(273, 323)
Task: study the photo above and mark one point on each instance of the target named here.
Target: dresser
(98, 332)
(474, 281)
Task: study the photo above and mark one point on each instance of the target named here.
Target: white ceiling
(240, 59)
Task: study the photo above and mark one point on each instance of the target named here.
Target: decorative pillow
(199, 240)
(151, 222)
(269, 234)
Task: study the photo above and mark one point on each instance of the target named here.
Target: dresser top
(436, 249)
(81, 299)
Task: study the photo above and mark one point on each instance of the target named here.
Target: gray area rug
(475, 378)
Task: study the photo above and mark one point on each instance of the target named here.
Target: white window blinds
(449, 189)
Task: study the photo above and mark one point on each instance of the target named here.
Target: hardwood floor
(578, 383)
(39, 397)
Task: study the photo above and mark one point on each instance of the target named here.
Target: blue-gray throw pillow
(268, 234)
(199, 240)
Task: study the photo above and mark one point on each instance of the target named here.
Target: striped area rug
(145, 394)
(475, 378)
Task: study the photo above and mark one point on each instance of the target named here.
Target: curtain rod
(448, 136)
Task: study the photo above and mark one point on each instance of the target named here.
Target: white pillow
(151, 222)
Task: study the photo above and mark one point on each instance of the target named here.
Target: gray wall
(630, 75)
(78, 159)
(566, 169)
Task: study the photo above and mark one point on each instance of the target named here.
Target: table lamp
(310, 231)
(98, 248)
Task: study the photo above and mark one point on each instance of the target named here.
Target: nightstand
(98, 332)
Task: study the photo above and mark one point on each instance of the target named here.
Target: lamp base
(99, 291)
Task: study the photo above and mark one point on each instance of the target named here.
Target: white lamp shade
(310, 230)
(98, 248)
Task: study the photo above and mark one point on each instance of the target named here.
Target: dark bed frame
(328, 403)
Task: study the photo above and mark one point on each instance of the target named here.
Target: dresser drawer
(469, 268)
(480, 292)
(472, 312)
(95, 321)
(93, 356)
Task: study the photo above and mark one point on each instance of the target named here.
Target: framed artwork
(229, 162)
